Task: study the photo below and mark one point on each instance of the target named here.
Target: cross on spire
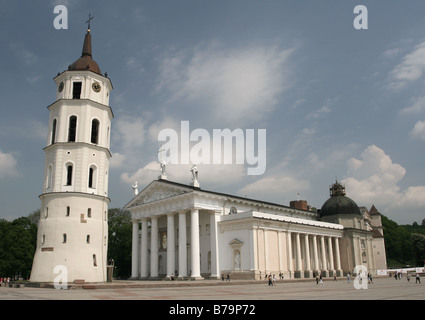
(88, 21)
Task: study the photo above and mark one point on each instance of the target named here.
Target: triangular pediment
(156, 191)
(235, 243)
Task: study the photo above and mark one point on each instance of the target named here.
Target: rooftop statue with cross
(162, 164)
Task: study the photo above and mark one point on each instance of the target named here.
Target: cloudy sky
(336, 102)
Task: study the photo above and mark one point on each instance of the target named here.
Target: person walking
(418, 278)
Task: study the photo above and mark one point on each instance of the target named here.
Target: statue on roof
(194, 171)
(135, 189)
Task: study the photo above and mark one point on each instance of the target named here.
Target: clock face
(60, 88)
(96, 87)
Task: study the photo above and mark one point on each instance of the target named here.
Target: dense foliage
(17, 247)
(119, 243)
(405, 244)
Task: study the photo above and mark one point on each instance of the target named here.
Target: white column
(280, 242)
(370, 258)
(307, 256)
(171, 250)
(182, 245)
(331, 256)
(194, 244)
(266, 250)
(324, 264)
(315, 254)
(338, 257)
(154, 247)
(144, 249)
(298, 253)
(134, 250)
(214, 245)
(290, 264)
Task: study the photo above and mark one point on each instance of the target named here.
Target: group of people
(398, 275)
(227, 277)
(4, 280)
(271, 279)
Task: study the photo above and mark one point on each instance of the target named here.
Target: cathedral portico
(191, 233)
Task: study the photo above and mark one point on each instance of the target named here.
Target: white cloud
(129, 132)
(7, 165)
(117, 160)
(417, 106)
(418, 130)
(375, 178)
(243, 84)
(410, 69)
(275, 187)
(326, 108)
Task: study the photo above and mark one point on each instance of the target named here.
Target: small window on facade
(53, 132)
(92, 177)
(94, 261)
(95, 131)
(88, 239)
(89, 213)
(72, 130)
(44, 239)
(69, 175)
(68, 211)
(49, 178)
(76, 90)
(64, 238)
(46, 214)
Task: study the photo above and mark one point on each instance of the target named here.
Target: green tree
(119, 241)
(398, 244)
(418, 244)
(17, 247)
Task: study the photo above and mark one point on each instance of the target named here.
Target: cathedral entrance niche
(236, 261)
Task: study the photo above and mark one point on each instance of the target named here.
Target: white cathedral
(179, 230)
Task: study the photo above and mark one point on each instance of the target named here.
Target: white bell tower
(73, 227)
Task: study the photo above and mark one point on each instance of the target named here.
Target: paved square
(381, 289)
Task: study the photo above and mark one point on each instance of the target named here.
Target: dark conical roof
(338, 203)
(86, 62)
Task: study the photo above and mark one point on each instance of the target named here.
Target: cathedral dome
(86, 62)
(338, 203)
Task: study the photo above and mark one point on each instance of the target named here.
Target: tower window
(69, 175)
(88, 239)
(94, 261)
(53, 132)
(49, 177)
(68, 211)
(92, 177)
(95, 131)
(89, 213)
(64, 238)
(72, 130)
(76, 90)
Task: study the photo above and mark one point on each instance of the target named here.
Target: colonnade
(324, 256)
(140, 255)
